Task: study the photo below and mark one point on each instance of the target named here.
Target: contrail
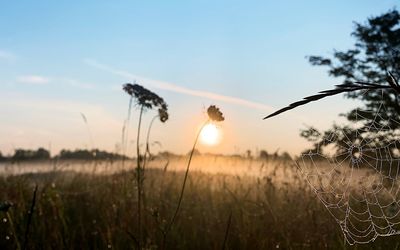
(178, 89)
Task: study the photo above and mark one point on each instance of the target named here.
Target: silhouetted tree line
(264, 155)
(43, 154)
(24, 155)
(95, 154)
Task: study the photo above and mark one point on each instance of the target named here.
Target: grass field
(248, 204)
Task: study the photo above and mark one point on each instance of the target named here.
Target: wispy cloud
(7, 56)
(179, 89)
(42, 80)
(33, 79)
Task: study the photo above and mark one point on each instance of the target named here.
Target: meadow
(229, 203)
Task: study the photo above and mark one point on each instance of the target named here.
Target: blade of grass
(30, 215)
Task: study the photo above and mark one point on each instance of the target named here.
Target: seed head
(144, 97)
(215, 114)
(163, 114)
(128, 88)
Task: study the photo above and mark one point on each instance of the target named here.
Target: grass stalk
(139, 179)
(169, 226)
(13, 230)
(125, 130)
(147, 153)
(30, 215)
(228, 227)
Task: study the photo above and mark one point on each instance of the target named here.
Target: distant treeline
(260, 155)
(264, 155)
(43, 154)
(96, 154)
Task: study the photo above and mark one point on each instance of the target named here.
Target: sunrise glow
(210, 135)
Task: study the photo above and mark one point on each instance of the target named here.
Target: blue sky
(58, 59)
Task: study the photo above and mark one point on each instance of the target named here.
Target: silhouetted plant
(343, 88)
(85, 120)
(163, 117)
(29, 220)
(228, 226)
(125, 127)
(145, 99)
(214, 115)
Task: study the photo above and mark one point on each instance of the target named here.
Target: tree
(376, 52)
(24, 155)
(263, 155)
(285, 156)
(375, 59)
(42, 153)
(2, 158)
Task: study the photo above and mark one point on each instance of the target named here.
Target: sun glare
(210, 134)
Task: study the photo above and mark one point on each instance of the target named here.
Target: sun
(210, 135)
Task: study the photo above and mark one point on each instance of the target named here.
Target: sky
(62, 59)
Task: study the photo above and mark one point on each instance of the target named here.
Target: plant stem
(228, 226)
(139, 180)
(13, 230)
(30, 215)
(147, 142)
(146, 155)
(168, 228)
(125, 131)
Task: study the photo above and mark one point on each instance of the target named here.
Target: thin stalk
(275, 219)
(147, 152)
(13, 230)
(30, 215)
(147, 142)
(139, 180)
(88, 129)
(125, 130)
(168, 228)
(228, 226)
(133, 238)
(128, 119)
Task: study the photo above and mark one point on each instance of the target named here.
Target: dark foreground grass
(79, 211)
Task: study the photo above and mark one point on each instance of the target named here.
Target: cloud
(179, 89)
(42, 80)
(33, 79)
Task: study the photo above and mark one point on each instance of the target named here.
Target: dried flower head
(163, 114)
(145, 97)
(128, 88)
(215, 114)
(5, 205)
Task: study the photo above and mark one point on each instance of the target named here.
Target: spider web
(358, 180)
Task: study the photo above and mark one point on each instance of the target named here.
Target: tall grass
(274, 210)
